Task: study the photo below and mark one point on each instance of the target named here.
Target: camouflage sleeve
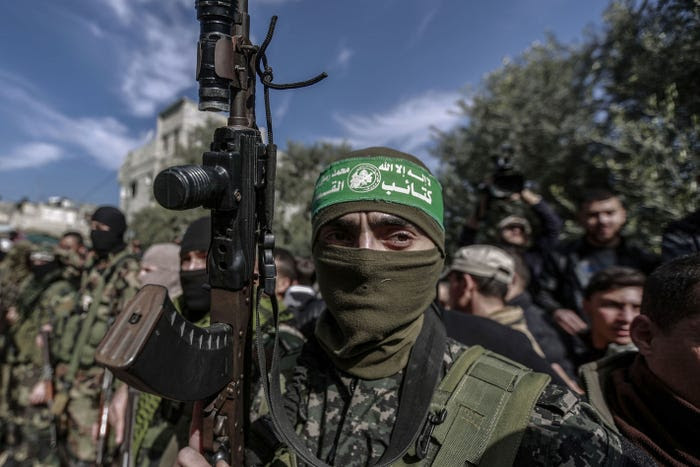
(563, 430)
(57, 302)
(127, 283)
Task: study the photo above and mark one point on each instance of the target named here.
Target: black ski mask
(41, 270)
(195, 284)
(109, 241)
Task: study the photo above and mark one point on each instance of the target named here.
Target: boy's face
(611, 313)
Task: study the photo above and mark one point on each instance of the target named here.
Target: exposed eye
(399, 239)
(336, 236)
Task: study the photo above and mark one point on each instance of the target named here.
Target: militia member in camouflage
(54, 282)
(15, 274)
(359, 395)
(161, 426)
(110, 280)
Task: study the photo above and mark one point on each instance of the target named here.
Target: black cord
(266, 76)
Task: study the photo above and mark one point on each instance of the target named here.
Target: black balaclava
(194, 283)
(109, 241)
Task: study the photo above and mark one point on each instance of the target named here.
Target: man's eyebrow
(341, 223)
(390, 220)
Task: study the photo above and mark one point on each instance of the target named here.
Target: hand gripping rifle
(151, 346)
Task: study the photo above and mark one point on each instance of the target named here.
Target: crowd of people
(392, 353)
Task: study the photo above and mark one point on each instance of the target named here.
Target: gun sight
(216, 19)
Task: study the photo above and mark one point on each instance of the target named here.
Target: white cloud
(122, 8)
(407, 126)
(344, 56)
(425, 22)
(34, 154)
(280, 106)
(103, 138)
(161, 67)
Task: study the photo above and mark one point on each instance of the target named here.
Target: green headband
(387, 179)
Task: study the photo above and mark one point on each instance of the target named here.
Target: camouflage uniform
(119, 273)
(42, 298)
(162, 426)
(14, 277)
(348, 421)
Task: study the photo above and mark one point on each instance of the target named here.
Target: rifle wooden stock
(47, 379)
(127, 457)
(103, 421)
(154, 349)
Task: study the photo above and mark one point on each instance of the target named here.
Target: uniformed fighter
(381, 383)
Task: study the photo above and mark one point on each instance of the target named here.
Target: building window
(133, 189)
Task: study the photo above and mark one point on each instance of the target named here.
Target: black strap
(422, 375)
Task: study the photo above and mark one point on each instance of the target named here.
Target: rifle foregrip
(188, 186)
(154, 349)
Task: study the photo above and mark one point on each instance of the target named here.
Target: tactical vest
(478, 414)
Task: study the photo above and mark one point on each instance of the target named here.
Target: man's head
(479, 273)
(395, 187)
(42, 259)
(378, 247)
(71, 253)
(160, 265)
(193, 266)
(306, 272)
(286, 271)
(612, 300)
(667, 332)
(107, 228)
(521, 276)
(71, 241)
(602, 215)
(514, 230)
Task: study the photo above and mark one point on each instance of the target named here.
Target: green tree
(647, 64)
(159, 225)
(298, 167)
(537, 104)
(620, 109)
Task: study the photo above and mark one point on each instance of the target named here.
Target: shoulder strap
(486, 401)
(596, 377)
(422, 374)
(91, 314)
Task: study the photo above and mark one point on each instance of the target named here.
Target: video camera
(506, 180)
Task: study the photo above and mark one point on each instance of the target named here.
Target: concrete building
(52, 218)
(174, 128)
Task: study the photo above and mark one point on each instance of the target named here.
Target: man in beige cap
(479, 278)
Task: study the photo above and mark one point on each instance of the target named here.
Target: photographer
(515, 232)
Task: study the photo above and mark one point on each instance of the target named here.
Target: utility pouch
(60, 401)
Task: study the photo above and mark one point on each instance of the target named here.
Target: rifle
(236, 182)
(103, 420)
(47, 379)
(127, 459)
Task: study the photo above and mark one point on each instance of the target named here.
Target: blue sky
(81, 81)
